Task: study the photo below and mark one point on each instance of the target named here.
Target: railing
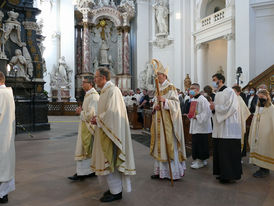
(62, 108)
(266, 77)
(214, 18)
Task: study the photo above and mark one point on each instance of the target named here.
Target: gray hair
(104, 71)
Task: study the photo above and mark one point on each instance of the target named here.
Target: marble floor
(46, 159)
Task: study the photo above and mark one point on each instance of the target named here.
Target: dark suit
(244, 97)
(253, 103)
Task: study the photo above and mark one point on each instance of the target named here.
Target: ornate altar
(22, 63)
(102, 36)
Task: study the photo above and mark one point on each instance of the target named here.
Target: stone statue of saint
(64, 72)
(28, 58)
(2, 31)
(12, 25)
(161, 16)
(60, 75)
(95, 65)
(104, 53)
(187, 82)
(146, 78)
(19, 65)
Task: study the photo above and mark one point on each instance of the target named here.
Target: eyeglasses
(84, 82)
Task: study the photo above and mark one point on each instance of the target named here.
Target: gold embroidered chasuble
(112, 148)
(261, 138)
(173, 126)
(86, 130)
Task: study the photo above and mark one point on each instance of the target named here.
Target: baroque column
(126, 51)
(86, 52)
(79, 49)
(120, 51)
(202, 63)
(231, 70)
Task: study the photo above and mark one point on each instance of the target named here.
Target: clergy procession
(104, 148)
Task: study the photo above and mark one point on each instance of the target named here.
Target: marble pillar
(86, 51)
(126, 52)
(79, 49)
(120, 51)
(202, 64)
(231, 69)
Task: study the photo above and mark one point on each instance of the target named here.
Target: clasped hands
(93, 120)
(79, 110)
(160, 99)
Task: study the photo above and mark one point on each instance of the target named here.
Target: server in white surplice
(7, 134)
(200, 128)
(226, 132)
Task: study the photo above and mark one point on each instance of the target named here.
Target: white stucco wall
(67, 39)
(262, 38)
(242, 38)
(217, 56)
(58, 21)
(143, 31)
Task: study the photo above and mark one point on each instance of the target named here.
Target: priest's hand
(93, 120)
(212, 106)
(157, 107)
(79, 110)
(161, 99)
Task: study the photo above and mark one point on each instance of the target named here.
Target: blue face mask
(192, 92)
(214, 84)
(251, 92)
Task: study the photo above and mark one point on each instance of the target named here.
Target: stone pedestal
(31, 106)
(64, 95)
(123, 81)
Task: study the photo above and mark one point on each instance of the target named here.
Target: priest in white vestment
(7, 134)
(244, 114)
(226, 133)
(200, 128)
(112, 154)
(85, 131)
(261, 136)
(171, 110)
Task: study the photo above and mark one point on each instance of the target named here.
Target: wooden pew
(133, 117)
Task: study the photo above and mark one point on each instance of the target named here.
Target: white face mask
(215, 85)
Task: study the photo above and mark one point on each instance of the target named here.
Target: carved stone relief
(104, 45)
(161, 17)
(146, 78)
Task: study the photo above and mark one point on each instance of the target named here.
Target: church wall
(216, 58)
(262, 39)
(49, 16)
(59, 31)
(213, 4)
(176, 56)
(242, 38)
(67, 39)
(143, 37)
(187, 42)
